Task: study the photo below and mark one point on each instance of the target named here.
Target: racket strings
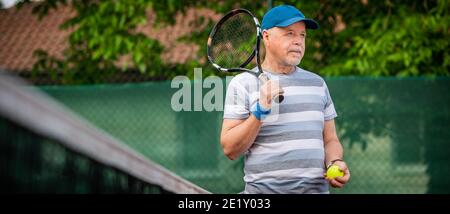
(234, 41)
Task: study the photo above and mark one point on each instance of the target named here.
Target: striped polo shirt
(288, 153)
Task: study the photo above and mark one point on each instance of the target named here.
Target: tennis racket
(234, 43)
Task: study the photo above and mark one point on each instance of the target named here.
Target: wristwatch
(332, 162)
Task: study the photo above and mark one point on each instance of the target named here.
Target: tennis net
(45, 148)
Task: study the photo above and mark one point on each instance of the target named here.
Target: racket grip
(277, 98)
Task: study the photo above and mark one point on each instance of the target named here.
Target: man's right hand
(267, 92)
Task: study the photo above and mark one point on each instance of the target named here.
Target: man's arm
(238, 135)
(333, 148)
(334, 151)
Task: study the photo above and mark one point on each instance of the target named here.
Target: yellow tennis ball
(334, 171)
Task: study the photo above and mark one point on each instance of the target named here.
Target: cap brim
(309, 23)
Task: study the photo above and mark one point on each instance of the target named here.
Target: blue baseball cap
(285, 15)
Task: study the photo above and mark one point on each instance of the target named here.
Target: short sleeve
(236, 100)
(329, 111)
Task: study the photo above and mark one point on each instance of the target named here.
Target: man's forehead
(298, 26)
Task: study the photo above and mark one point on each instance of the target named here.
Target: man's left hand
(339, 182)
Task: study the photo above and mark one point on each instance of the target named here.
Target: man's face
(287, 44)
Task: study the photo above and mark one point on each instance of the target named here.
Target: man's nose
(298, 44)
(298, 41)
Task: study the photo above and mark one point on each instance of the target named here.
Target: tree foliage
(370, 38)
(102, 33)
(388, 39)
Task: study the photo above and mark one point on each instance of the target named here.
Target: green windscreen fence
(394, 131)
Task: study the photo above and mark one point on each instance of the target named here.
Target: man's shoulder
(308, 74)
(244, 78)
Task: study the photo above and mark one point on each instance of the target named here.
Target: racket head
(234, 42)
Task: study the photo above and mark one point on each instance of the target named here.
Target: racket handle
(277, 98)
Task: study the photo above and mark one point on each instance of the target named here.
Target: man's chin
(294, 62)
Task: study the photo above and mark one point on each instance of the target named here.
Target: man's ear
(265, 37)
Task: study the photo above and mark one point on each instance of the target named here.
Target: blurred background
(386, 63)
